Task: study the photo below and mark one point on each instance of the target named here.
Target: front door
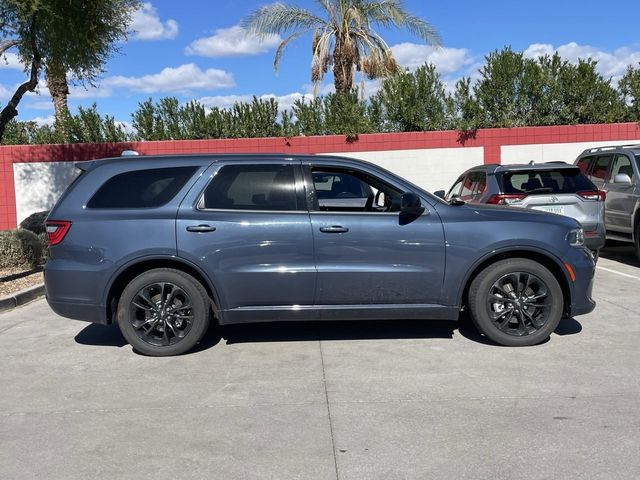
(620, 196)
(249, 229)
(367, 252)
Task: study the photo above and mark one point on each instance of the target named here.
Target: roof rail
(611, 147)
(600, 149)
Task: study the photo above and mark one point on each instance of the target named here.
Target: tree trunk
(10, 111)
(7, 44)
(342, 67)
(59, 90)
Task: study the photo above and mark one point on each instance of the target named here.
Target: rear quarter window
(141, 188)
(569, 180)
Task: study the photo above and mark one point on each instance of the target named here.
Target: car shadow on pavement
(100, 336)
(110, 336)
(620, 252)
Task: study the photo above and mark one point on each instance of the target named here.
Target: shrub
(35, 222)
(19, 249)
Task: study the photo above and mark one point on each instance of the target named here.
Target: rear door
(246, 224)
(600, 170)
(620, 200)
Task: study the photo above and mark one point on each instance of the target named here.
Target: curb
(20, 298)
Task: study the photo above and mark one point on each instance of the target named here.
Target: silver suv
(554, 187)
(615, 170)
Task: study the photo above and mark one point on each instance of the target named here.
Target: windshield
(531, 182)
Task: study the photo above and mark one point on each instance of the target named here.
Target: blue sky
(193, 49)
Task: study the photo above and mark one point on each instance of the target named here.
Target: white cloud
(11, 60)
(446, 60)
(182, 79)
(233, 41)
(285, 102)
(610, 63)
(146, 24)
(4, 92)
(42, 121)
(40, 105)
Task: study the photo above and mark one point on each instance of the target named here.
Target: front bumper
(583, 264)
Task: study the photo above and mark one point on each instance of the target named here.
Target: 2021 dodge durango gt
(164, 245)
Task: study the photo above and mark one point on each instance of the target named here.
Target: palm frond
(282, 46)
(391, 13)
(278, 18)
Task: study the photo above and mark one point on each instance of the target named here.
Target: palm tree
(343, 35)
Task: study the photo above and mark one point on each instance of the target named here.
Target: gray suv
(616, 170)
(164, 245)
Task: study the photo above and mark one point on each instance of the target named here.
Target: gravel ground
(8, 287)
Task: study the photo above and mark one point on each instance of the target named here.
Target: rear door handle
(201, 228)
(334, 229)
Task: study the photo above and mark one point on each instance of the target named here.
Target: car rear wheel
(163, 312)
(516, 302)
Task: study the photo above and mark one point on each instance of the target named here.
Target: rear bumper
(595, 240)
(79, 311)
(70, 292)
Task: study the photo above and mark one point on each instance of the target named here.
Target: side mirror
(411, 204)
(440, 194)
(622, 178)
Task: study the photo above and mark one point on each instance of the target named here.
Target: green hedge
(20, 249)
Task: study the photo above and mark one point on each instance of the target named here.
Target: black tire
(163, 312)
(526, 319)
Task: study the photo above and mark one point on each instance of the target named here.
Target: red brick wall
(490, 139)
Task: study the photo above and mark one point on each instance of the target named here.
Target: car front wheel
(516, 302)
(163, 312)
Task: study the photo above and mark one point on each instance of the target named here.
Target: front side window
(621, 165)
(141, 188)
(455, 190)
(251, 187)
(339, 190)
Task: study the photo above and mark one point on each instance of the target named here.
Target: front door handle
(201, 228)
(334, 229)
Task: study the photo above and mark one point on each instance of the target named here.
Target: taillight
(594, 195)
(506, 199)
(56, 230)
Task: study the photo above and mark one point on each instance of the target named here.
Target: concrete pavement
(381, 400)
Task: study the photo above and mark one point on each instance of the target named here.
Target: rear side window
(251, 187)
(601, 167)
(584, 164)
(141, 188)
(566, 180)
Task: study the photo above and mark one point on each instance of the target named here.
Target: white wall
(547, 152)
(38, 185)
(433, 169)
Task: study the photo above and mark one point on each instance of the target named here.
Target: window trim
(298, 184)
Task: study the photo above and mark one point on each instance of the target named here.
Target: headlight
(576, 237)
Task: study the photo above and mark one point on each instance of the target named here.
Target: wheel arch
(553, 265)
(136, 267)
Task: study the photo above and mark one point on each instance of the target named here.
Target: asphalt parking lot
(387, 400)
